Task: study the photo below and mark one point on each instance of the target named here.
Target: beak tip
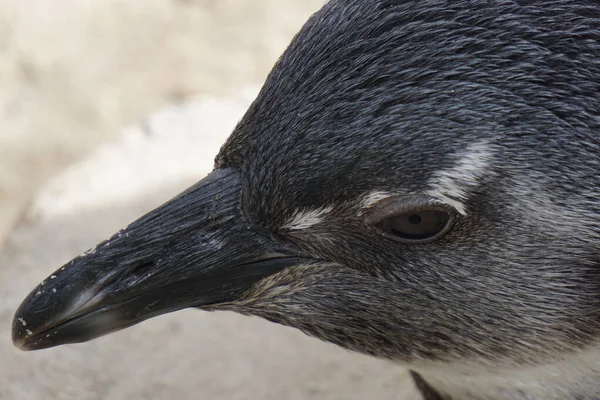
(20, 332)
(28, 322)
(19, 339)
(26, 339)
(21, 344)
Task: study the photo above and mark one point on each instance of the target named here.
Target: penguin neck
(574, 377)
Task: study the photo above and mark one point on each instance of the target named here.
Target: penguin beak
(196, 250)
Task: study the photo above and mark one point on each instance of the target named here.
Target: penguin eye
(416, 225)
(415, 220)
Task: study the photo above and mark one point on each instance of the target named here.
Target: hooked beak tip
(20, 343)
(22, 337)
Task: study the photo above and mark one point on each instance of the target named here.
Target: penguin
(417, 180)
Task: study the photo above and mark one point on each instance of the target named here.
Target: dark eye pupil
(415, 219)
(416, 225)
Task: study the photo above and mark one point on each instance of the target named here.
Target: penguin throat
(573, 377)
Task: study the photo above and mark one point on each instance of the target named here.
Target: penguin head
(417, 180)
(441, 166)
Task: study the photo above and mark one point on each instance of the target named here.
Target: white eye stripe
(452, 186)
(374, 197)
(303, 219)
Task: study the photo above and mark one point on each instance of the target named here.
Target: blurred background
(108, 108)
